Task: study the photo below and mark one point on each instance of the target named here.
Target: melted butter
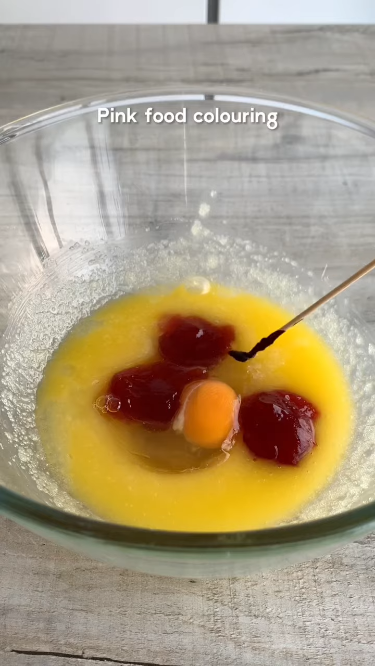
(118, 470)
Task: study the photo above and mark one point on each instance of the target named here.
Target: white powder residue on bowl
(204, 210)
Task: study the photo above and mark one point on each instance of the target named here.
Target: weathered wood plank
(45, 65)
(17, 659)
(319, 614)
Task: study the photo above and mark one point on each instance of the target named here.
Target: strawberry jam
(278, 425)
(150, 394)
(193, 341)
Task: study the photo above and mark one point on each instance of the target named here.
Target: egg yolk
(208, 415)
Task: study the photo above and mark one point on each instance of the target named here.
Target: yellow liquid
(97, 456)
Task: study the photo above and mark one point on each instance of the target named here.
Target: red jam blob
(193, 341)
(278, 425)
(150, 394)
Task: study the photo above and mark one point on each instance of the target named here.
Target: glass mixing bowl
(82, 200)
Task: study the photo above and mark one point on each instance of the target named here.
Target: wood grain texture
(43, 66)
(61, 659)
(58, 609)
(319, 614)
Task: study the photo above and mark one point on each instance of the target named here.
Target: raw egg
(208, 416)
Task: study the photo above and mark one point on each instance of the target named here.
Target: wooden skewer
(264, 343)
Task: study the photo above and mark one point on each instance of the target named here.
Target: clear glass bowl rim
(360, 519)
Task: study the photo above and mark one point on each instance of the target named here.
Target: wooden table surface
(59, 609)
